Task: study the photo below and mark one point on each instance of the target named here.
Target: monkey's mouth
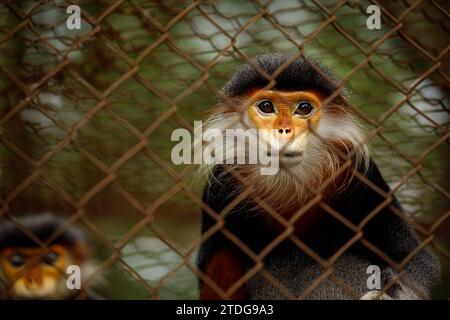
(289, 159)
(288, 155)
(292, 154)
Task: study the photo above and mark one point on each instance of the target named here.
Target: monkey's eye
(266, 106)
(17, 260)
(51, 258)
(304, 109)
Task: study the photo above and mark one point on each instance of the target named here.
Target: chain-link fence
(87, 115)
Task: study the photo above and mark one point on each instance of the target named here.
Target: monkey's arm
(224, 268)
(386, 230)
(219, 258)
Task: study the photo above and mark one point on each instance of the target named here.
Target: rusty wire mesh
(87, 115)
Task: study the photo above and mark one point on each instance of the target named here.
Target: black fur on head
(42, 226)
(303, 73)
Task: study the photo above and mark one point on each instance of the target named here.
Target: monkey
(343, 215)
(31, 268)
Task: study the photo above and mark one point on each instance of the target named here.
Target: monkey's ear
(342, 99)
(230, 104)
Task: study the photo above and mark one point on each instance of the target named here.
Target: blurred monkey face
(288, 117)
(33, 273)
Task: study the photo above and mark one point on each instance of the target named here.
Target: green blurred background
(185, 51)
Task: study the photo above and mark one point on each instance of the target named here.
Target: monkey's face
(307, 136)
(34, 274)
(288, 118)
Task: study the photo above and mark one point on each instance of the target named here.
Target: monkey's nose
(34, 277)
(284, 133)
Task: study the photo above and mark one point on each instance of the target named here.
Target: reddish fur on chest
(305, 223)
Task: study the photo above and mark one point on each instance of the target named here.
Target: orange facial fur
(34, 273)
(285, 104)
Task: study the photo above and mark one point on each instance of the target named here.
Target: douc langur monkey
(31, 270)
(327, 187)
